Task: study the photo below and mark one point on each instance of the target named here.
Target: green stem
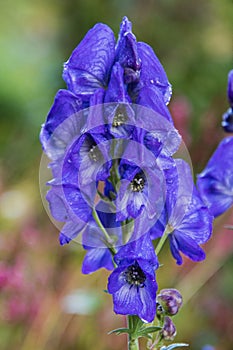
(106, 235)
(161, 243)
(133, 344)
(132, 322)
(168, 229)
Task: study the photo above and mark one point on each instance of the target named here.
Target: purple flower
(186, 219)
(133, 283)
(227, 118)
(215, 182)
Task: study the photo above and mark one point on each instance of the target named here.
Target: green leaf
(173, 346)
(148, 336)
(121, 331)
(148, 330)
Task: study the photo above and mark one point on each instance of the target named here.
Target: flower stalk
(108, 240)
(133, 322)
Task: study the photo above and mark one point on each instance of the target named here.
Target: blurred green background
(193, 40)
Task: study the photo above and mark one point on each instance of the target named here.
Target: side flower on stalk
(185, 220)
(215, 182)
(133, 283)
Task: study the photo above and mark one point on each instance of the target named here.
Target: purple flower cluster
(215, 182)
(111, 141)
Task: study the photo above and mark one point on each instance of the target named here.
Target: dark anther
(94, 153)
(135, 276)
(138, 183)
(120, 117)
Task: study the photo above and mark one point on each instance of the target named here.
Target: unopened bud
(170, 300)
(169, 330)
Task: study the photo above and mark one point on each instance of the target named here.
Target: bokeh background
(45, 301)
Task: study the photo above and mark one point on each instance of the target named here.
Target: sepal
(119, 331)
(146, 331)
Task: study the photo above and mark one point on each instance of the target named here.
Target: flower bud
(169, 330)
(171, 301)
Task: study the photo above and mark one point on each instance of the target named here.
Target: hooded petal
(127, 53)
(89, 65)
(152, 72)
(138, 248)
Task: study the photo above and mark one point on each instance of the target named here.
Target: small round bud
(170, 300)
(169, 330)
